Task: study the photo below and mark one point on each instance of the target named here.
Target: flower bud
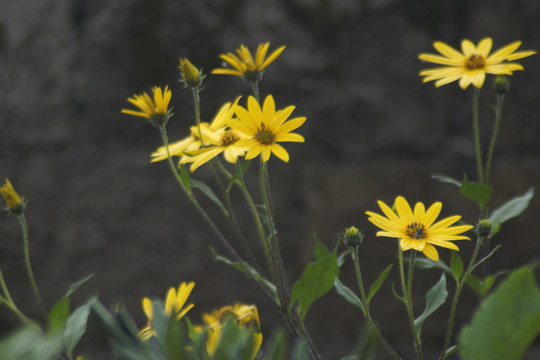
(191, 76)
(483, 228)
(352, 236)
(13, 201)
(501, 85)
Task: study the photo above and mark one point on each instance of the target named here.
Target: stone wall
(374, 131)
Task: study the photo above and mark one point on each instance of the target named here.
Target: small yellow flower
(175, 304)
(244, 65)
(473, 63)
(245, 315)
(191, 76)
(265, 128)
(417, 230)
(192, 143)
(13, 201)
(154, 111)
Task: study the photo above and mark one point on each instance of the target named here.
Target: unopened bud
(483, 228)
(501, 85)
(191, 76)
(14, 202)
(352, 236)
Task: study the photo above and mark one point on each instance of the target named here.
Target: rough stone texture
(374, 131)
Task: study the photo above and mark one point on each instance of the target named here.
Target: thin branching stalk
(459, 288)
(366, 312)
(496, 126)
(11, 306)
(4, 287)
(476, 129)
(28, 264)
(196, 104)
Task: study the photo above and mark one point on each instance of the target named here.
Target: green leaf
(348, 294)
(30, 343)
(209, 193)
(435, 297)
(76, 326)
(276, 348)
(456, 265)
(425, 263)
(479, 193)
(510, 209)
(237, 174)
(185, 177)
(76, 285)
(250, 270)
(320, 249)
(507, 321)
(367, 350)
(378, 282)
(59, 314)
(447, 180)
(316, 280)
(481, 287)
(487, 256)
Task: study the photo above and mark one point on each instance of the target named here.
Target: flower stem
(11, 306)
(459, 288)
(498, 114)
(416, 334)
(33, 284)
(197, 106)
(255, 89)
(367, 315)
(479, 166)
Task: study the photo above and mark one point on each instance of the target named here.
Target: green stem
(476, 101)
(197, 106)
(33, 284)
(255, 89)
(11, 306)
(5, 288)
(498, 115)
(459, 288)
(416, 335)
(367, 314)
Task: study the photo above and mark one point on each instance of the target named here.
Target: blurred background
(374, 131)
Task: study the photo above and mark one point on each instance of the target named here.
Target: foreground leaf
(76, 326)
(29, 343)
(507, 321)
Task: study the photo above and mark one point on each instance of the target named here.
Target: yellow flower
(192, 142)
(175, 304)
(245, 315)
(154, 111)
(473, 63)
(417, 230)
(265, 128)
(13, 201)
(244, 65)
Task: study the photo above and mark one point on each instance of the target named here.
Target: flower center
(475, 62)
(229, 137)
(265, 136)
(416, 231)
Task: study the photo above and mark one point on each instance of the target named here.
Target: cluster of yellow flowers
(245, 316)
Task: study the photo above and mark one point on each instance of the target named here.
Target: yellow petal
(448, 51)
(431, 252)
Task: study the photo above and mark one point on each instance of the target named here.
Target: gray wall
(374, 131)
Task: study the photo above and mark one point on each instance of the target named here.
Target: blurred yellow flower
(472, 64)
(155, 111)
(265, 128)
(245, 315)
(13, 200)
(417, 230)
(175, 304)
(243, 63)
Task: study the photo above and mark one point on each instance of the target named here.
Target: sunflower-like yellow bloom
(473, 63)
(175, 305)
(265, 128)
(13, 201)
(246, 316)
(417, 230)
(193, 142)
(154, 111)
(243, 63)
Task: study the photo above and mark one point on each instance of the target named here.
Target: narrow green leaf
(378, 282)
(456, 265)
(76, 326)
(209, 193)
(185, 177)
(425, 263)
(76, 285)
(510, 209)
(507, 321)
(341, 258)
(348, 294)
(435, 297)
(447, 180)
(487, 256)
(59, 314)
(261, 279)
(316, 280)
(237, 174)
(478, 193)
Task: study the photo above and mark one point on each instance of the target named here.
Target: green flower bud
(483, 228)
(352, 236)
(191, 76)
(501, 85)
